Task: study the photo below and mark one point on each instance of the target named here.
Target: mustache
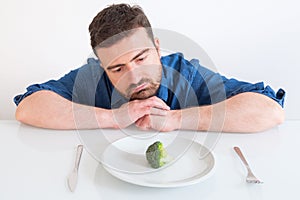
(133, 86)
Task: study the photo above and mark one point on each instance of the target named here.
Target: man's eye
(118, 69)
(141, 59)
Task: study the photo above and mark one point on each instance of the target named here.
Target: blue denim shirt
(184, 84)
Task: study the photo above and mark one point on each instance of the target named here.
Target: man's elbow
(279, 116)
(20, 115)
(274, 117)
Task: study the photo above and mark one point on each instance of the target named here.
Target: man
(130, 83)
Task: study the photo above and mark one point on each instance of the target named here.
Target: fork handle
(240, 154)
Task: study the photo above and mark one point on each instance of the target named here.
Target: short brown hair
(117, 19)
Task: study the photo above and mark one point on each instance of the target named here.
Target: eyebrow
(135, 57)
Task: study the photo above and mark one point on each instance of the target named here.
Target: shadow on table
(110, 187)
(46, 139)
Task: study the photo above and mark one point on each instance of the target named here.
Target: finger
(157, 102)
(162, 103)
(143, 123)
(140, 108)
(139, 122)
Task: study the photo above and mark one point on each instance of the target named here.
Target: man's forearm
(47, 109)
(246, 112)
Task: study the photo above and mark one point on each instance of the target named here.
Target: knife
(73, 176)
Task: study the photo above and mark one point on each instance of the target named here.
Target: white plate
(125, 159)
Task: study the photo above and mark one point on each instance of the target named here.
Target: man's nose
(132, 72)
(130, 66)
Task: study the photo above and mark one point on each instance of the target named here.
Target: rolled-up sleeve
(233, 87)
(211, 87)
(63, 87)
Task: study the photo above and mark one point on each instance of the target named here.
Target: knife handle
(78, 155)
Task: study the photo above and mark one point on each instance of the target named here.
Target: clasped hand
(151, 113)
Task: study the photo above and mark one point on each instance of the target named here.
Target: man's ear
(156, 43)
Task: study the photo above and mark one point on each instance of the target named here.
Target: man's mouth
(140, 88)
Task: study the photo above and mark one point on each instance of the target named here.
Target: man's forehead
(136, 41)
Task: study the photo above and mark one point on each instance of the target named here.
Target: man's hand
(168, 122)
(134, 110)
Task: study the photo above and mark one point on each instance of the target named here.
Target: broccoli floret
(156, 155)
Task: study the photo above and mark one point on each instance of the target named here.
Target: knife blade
(73, 176)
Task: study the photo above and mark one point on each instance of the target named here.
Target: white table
(35, 163)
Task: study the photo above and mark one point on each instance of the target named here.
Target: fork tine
(250, 176)
(252, 179)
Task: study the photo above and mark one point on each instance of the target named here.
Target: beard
(145, 93)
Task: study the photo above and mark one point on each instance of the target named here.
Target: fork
(250, 176)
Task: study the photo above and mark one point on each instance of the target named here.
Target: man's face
(133, 65)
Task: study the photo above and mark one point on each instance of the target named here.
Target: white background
(254, 40)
